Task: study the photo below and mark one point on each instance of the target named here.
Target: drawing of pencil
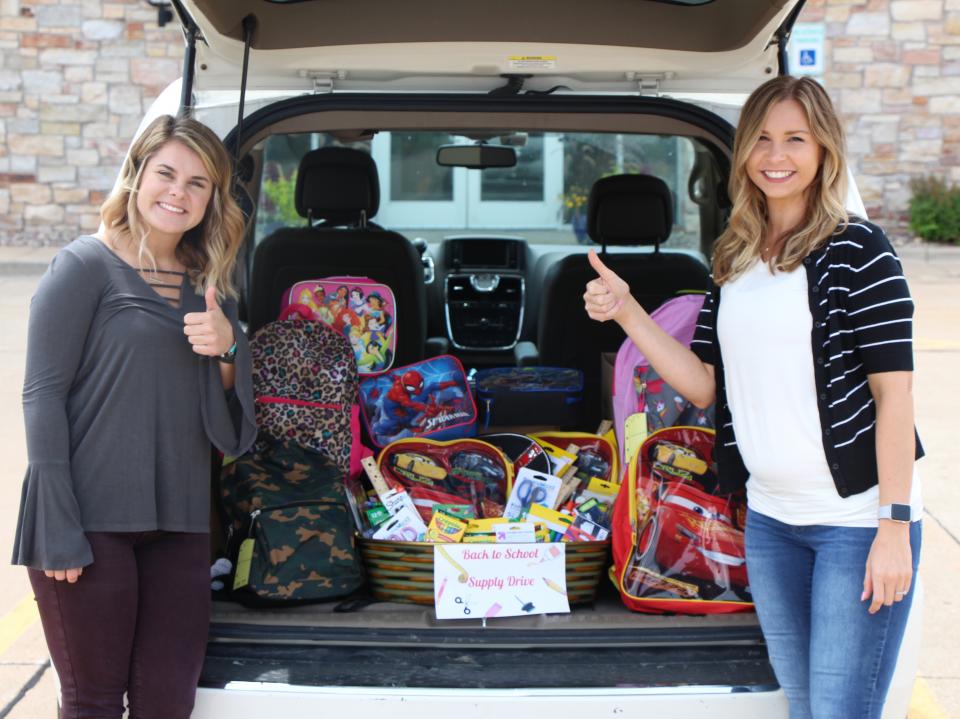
(464, 574)
(443, 585)
(554, 586)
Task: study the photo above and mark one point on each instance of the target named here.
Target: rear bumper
(254, 701)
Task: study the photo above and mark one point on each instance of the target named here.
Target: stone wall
(76, 76)
(893, 70)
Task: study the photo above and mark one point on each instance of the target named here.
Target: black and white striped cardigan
(862, 323)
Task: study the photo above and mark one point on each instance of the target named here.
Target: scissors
(530, 492)
(404, 534)
(466, 607)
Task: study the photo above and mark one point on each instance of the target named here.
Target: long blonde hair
(209, 250)
(742, 241)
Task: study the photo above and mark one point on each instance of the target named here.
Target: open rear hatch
(422, 45)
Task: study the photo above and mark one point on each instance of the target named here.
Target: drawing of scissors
(466, 607)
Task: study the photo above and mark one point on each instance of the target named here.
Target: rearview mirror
(476, 157)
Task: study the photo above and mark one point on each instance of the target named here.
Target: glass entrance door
(417, 192)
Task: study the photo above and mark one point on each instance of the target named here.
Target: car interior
(488, 261)
(480, 222)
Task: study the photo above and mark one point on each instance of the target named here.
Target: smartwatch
(896, 512)
(229, 356)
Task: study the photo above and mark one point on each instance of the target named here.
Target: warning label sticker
(532, 62)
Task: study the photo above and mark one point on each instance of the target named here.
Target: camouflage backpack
(290, 533)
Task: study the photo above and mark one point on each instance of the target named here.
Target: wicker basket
(403, 571)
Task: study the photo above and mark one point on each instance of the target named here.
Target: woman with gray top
(135, 365)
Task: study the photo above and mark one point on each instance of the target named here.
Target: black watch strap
(230, 355)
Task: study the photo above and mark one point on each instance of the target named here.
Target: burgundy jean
(135, 621)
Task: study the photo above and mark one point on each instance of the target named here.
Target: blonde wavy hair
(741, 243)
(207, 251)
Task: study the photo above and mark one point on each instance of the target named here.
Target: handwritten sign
(478, 581)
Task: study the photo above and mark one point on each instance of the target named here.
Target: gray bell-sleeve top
(120, 412)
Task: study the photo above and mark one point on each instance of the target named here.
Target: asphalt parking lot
(26, 681)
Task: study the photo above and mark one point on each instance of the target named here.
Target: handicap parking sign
(805, 51)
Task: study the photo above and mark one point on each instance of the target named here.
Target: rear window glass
(543, 197)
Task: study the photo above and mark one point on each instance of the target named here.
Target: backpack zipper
(298, 402)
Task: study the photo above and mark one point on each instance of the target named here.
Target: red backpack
(677, 545)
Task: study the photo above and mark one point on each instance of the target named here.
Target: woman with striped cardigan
(804, 343)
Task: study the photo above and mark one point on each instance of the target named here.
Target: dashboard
(484, 292)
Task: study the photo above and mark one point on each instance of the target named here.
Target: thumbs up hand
(607, 297)
(210, 333)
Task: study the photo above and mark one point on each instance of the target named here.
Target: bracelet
(230, 355)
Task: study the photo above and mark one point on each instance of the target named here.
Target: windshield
(543, 198)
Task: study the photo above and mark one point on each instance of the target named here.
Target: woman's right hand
(70, 575)
(607, 297)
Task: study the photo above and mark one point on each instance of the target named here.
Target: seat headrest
(337, 184)
(629, 210)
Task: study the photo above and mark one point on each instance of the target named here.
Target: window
(543, 197)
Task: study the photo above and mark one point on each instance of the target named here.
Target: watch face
(900, 512)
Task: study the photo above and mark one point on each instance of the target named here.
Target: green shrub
(935, 210)
(280, 205)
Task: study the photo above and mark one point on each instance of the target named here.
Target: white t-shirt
(764, 328)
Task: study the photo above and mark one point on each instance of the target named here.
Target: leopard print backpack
(305, 383)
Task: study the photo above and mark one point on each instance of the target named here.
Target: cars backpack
(362, 310)
(678, 545)
(637, 387)
(305, 387)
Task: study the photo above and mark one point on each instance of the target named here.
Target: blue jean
(833, 659)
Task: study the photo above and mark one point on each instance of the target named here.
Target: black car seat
(338, 189)
(621, 210)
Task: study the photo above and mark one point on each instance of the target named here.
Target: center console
(484, 292)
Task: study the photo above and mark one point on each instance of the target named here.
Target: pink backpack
(362, 310)
(678, 318)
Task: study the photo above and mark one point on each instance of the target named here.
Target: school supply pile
(432, 482)
(466, 490)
